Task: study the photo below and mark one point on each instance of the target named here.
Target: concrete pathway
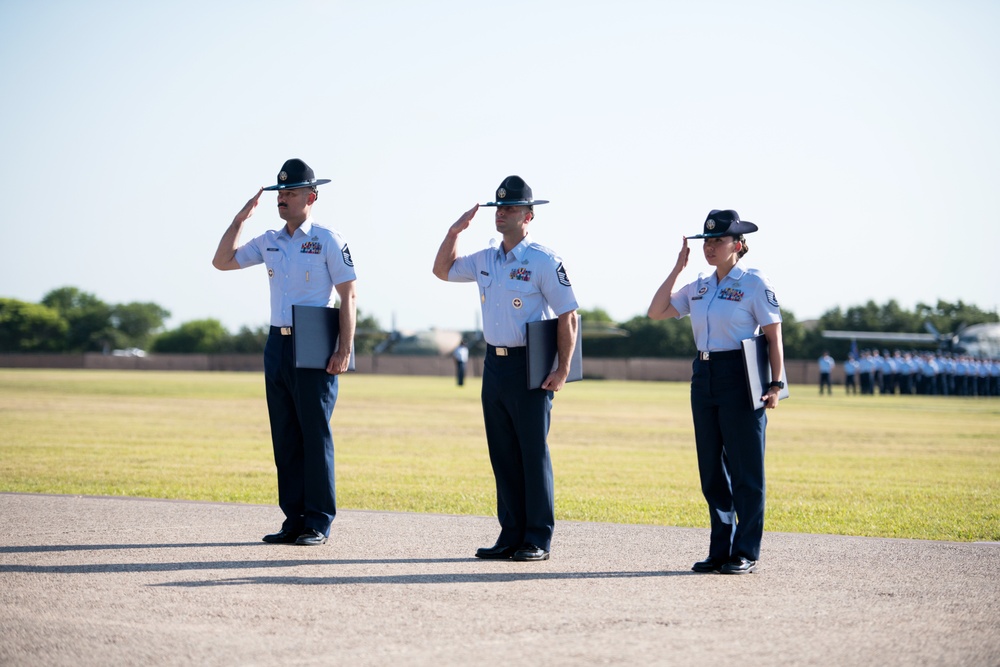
(126, 581)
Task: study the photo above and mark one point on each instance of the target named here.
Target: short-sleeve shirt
(725, 313)
(302, 269)
(526, 284)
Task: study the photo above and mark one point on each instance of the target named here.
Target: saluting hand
(463, 221)
(683, 255)
(248, 208)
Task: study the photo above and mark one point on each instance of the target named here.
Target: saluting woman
(727, 306)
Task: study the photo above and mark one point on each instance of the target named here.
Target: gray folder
(316, 335)
(758, 370)
(543, 352)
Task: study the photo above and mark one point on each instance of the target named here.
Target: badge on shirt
(270, 273)
(771, 298)
(731, 294)
(346, 253)
(561, 274)
(312, 248)
(517, 303)
(520, 274)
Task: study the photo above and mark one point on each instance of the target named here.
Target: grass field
(917, 467)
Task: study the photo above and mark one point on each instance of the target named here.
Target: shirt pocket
(309, 267)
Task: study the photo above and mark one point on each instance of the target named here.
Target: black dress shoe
(496, 552)
(530, 552)
(311, 538)
(708, 565)
(283, 536)
(739, 566)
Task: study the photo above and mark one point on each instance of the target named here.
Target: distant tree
(597, 315)
(137, 322)
(88, 318)
(30, 327)
(203, 336)
(368, 334)
(247, 341)
(947, 317)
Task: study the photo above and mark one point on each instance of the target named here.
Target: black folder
(543, 352)
(316, 335)
(758, 370)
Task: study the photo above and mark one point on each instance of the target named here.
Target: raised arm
(225, 255)
(660, 308)
(448, 251)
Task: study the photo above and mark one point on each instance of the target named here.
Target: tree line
(68, 320)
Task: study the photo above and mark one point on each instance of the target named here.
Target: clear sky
(861, 136)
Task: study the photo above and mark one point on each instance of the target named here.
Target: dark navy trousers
(300, 403)
(729, 437)
(517, 425)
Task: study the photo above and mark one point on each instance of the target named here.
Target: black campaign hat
(515, 192)
(296, 174)
(724, 223)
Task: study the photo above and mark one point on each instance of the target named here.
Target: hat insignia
(501, 193)
(283, 176)
(710, 224)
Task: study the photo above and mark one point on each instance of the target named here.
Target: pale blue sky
(862, 137)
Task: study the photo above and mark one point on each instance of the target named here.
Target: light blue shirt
(826, 363)
(302, 269)
(724, 314)
(524, 285)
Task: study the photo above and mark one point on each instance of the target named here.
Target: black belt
(505, 351)
(720, 355)
(281, 331)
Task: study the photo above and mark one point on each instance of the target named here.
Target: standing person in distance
(305, 263)
(461, 356)
(726, 307)
(519, 282)
(826, 364)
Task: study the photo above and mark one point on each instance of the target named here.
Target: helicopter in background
(978, 340)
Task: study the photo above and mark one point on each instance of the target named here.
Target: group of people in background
(914, 372)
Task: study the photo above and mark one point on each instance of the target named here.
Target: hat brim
(743, 227)
(296, 186)
(522, 202)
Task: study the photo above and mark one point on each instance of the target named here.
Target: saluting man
(519, 282)
(305, 263)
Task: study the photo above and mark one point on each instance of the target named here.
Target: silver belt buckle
(501, 351)
(703, 356)
(286, 331)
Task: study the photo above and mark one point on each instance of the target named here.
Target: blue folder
(543, 352)
(316, 335)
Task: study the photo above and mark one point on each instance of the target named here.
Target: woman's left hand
(770, 399)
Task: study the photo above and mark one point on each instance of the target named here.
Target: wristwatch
(776, 383)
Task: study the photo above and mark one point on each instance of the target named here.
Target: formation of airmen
(924, 373)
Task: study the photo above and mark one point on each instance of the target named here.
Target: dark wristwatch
(776, 383)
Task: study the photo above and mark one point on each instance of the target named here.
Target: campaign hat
(724, 223)
(515, 192)
(296, 174)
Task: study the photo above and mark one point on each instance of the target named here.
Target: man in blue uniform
(305, 264)
(519, 282)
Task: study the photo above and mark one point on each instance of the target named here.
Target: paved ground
(99, 581)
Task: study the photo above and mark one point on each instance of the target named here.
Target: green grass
(917, 467)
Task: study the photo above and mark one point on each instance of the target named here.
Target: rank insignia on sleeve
(561, 274)
(771, 298)
(346, 252)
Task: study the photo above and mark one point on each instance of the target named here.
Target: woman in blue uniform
(727, 306)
